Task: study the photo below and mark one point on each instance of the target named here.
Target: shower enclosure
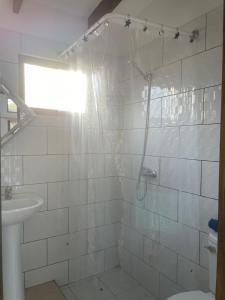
(145, 152)
(130, 180)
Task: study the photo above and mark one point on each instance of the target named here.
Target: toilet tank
(212, 249)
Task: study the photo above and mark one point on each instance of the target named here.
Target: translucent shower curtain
(145, 228)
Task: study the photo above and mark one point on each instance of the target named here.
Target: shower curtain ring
(127, 22)
(145, 26)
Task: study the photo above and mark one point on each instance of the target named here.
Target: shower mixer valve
(149, 173)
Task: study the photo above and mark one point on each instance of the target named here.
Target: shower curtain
(113, 220)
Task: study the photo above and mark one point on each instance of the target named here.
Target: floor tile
(68, 293)
(91, 289)
(137, 293)
(117, 281)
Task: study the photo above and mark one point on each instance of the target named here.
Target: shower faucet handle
(149, 172)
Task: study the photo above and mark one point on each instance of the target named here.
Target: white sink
(20, 208)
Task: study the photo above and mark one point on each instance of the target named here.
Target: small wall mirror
(14, 114)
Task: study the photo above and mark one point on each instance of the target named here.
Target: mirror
(14, 114)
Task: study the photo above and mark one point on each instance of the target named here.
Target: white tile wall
(21, 144)
(51, 168)
(180, 238)
(58, 272)
(34, 255)
(214, 35)
(192, 276)
(195, 70)
(46, 224)
(210, 179)
(196, 211)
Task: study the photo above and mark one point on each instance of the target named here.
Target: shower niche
(14, 114)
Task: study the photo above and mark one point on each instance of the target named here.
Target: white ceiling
(79, 8)
(167, 12)
(60, 20)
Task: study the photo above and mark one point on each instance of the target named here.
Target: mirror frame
(22, 108)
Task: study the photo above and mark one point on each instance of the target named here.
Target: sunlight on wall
(50, 88)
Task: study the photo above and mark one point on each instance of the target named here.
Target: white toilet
(199, 295)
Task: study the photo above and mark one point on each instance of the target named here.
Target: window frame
(43, 62)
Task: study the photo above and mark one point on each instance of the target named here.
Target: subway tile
(34, 255)
(135, 115)
(181, 174)
(38, 189)
(95, 165)
(104, 189)
(78, 165)
(155, 113)
(132, 241)
(145, 222)
(11, 170)
(203, 142)
(78, 244)
(58, 249)
(195, 70)
(196, 211)
(67, 194)
(40, 169)
(103, 237)
(113, 211)
(30, 141)
(133, 141)
(111, 258)
(191, 276)
(57, 272)
(129, 166)
(111, 141)
(161, 258)
(210, 179)
(96, 215)
(212, 105)
(163, 201)
(10, 46)
(214, 36)
(147, 276)
(180, 238)
(183, 109)
(46, 224)
(78, 218)
(112, 165)
(59, 140)
(166, 80)
(86, 266)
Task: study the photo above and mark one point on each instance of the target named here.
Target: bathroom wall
(76, 232)
(163, 237)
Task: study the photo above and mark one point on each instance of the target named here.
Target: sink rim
(20, 208)
(30, 199)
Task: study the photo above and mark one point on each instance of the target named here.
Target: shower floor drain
(101, 289)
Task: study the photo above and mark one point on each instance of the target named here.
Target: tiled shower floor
(110, 285)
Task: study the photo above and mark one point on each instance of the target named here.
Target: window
(53, 87)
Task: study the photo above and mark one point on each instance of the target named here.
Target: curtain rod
(127, 21)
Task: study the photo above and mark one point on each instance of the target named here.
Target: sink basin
(20, 208)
